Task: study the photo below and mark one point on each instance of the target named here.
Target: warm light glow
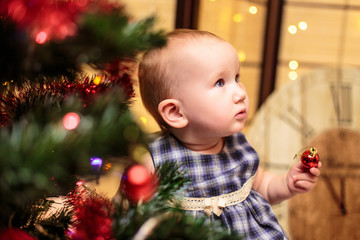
(293, 65)
(253, 10)
(302, 25)
(71, 120)
(97, 80)
(292, 29)
(108, 166)
(242, 56)
(138, 175)
(41, 37)
(212, 0)
(238, 17)
(293, 75)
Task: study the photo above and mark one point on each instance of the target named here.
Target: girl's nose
(239, 95)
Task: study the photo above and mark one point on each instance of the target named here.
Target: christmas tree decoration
(138, 184)
(71, 35)
(93, 214)
(308, 157)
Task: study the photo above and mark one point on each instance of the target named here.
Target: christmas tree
(60, 125)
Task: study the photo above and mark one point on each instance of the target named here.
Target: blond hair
(155, 70)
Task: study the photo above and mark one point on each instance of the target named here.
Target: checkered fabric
(218, 174)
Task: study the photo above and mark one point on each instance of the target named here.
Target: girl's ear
(170, 110)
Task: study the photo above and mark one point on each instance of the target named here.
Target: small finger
(305, 177)
(304, 185)
(315, 171)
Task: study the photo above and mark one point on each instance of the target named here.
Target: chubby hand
(300, 179)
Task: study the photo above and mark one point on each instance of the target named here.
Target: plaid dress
(223, 173)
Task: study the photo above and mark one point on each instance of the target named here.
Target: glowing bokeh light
(242, 56)
(253, 10)
(293, 75)
(237, 18)
(144, 120)
(71, 120)
(293, 65)
(138, 175)
(80, 183)
(41, 37)
(302, 25)
(292, 29)
(108, 166)
(96, 161)
(97, 80)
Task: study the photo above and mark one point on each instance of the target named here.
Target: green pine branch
(39, 157)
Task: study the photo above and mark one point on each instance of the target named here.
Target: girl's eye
(220, 83)
(237, 78)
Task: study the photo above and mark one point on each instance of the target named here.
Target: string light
(292, 29)
(108, 166)
(302, 25)
(97, 80)
(293, 65)
(253, 10)
(293, 75)
(96, 161)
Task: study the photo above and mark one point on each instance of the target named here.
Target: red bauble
(138, 184)
(310, 158)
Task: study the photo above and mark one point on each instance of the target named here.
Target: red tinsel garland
(93, 214)
(118, 73)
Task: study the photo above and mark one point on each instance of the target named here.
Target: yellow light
(97, 80)
(108, 166)
(293, 75)
(242, 56)
(212, 0)
(144, 120)
(253, 10)
(237, 18)
(293, 65)
(302, 25)
(292, 29)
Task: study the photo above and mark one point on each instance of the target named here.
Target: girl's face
(211, 96)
